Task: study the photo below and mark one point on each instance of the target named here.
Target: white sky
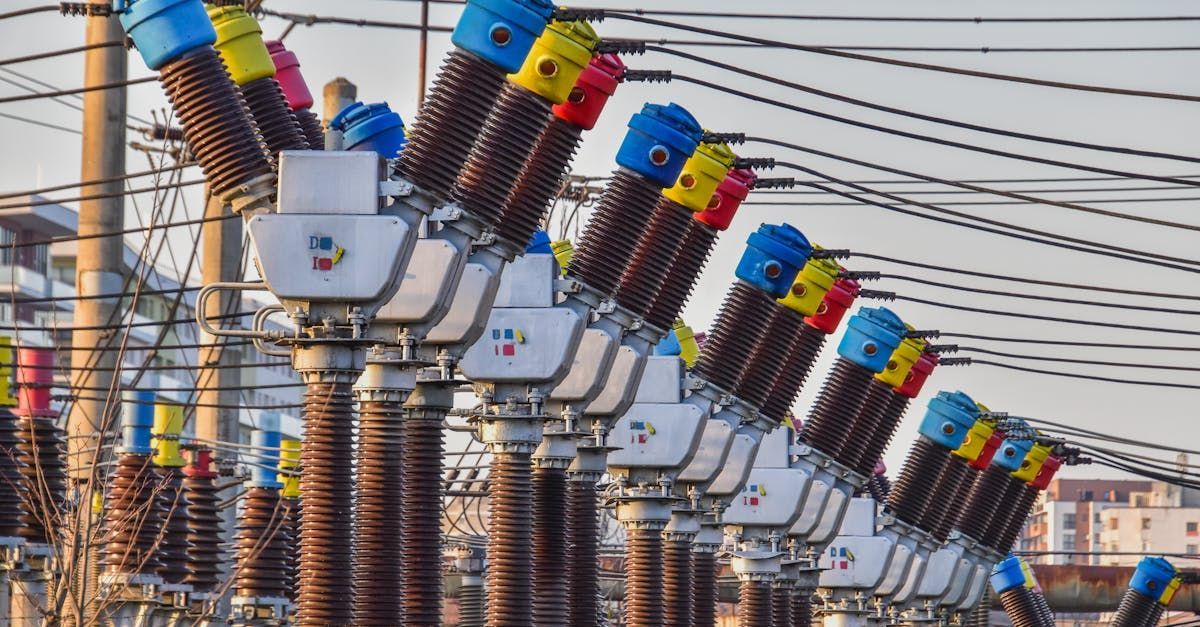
(383, 64)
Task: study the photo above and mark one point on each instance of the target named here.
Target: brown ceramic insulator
(652, 257)
(806, 347)
(704, 578)
(530, 200)
(836, 408)
(912, 494)
(276, 123)
(215, 121)
(261, 541)
(1005, 513)
(678, 583)
(1135, 610)
(979, 508)
(1018, 603)
(378, 505)
(470, 606)
(981, 616)
(680, 279)
(1047, 615)
(507, 138)
(549, 547)
(173, 547)
(1020, 513)
(616, 225)
(420, 517)
(644, 578)
(781, 599)
(42, 455)
(942, 512)
(133, 517)
(13, 489)
(204, 533)
(727, 351)
(326, 494)
(768, 358)
(754, 607)
(802, 608)
(449, 121)
(583, 560)
(873, 428)
(878, 487)
(310, 124)
(510, 541)
(291, 523)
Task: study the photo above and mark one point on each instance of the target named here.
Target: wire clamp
(568, 14)
(85, 9)
(754, 163)
(723, 138)
(621, 46)
(773, 183)
(646, 76)
(878, 295)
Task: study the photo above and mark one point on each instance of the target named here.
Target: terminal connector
(568, 14)
(647, 76)
(774, 183)
(621, 46)
(85, 9)
(831, 253)
(754, 163)
(723, 138)
(878, 295)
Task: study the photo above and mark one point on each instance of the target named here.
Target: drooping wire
(969, 361)
(1078, 344)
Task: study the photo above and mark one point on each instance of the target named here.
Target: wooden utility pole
(338, 93)
(98, 270)
(220, 260)
(422, 53)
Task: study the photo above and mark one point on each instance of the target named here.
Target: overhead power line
(59, 53)
(80, 90)
(1072, 343)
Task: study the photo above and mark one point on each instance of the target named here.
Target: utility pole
(422, 53)
(217, 373)
(98, 270)
(338, 93)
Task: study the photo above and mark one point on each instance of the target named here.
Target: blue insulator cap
(949, 418)
(1007, 575)
(1152, 576)
(660, 140)
(501, 32)
(265, 454)
(774, 255)
(539, 244)
(163, 30)
(1011, 453)
(871, 336)
(669, 345)
(371, 127)
(137, 419)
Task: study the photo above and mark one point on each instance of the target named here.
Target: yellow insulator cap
(1168, 594)
(240, 42)
(7, 396)
(563, 251)
(168, 426)
(976, 439)
(1032, 464)
(97, 502)
(902, 360)
(689, 349)
(701, 175)
(557, 59)
(811, 286)
(1031, 581)
(289, 459)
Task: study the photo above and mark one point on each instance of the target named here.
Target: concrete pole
(98, 271)
(423, 54)
(220, 260)
(338, 93)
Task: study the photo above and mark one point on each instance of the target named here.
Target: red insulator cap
(35, 377)
(1047, 472)
(727, 199)
(592, 89)
(287, 72)
(201, 465)
(880, 468)
(918, 375)
(989, 450)
(834, 306)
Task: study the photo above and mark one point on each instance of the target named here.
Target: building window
(1114, 523)
(1145, 524)
(1193, 549)
(1068, 521)
(1192, 529)
(1087, 495)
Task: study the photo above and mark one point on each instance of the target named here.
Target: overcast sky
(382, 62)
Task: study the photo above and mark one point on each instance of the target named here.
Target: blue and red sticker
(643, 430)
(325, 254)
(506, 341)
(841, 557)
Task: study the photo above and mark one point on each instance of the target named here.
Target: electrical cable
(76, 238)
(1056, 240)
(40, 123)
(161, 401)
(1025, 296)
(55, 299)
(1086, 377)
(309, 20)
(111, 327)
(967, 49)
(961, 192)
(80, 90)
(59, 53)
(991, 203)
(45, 8)
(1108, 437)
(1086, 362)
(1025, 280)
(1017, 340)
(111, 179)
(565, 13)
(920, 116)
(128, 192)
